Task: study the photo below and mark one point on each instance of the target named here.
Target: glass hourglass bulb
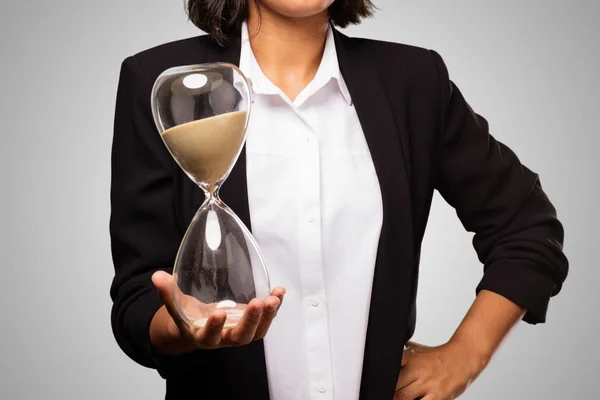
(202, 112)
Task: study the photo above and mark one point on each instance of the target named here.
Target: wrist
(484, 328)
(473, 355)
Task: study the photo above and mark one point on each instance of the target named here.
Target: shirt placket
(311, 269)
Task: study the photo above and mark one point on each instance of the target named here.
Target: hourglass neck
(211, 194)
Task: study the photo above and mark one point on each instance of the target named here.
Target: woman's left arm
(518, 238)
(445, 372)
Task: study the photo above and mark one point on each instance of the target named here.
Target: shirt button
(311, 219)
(315, 302)
(322, 389)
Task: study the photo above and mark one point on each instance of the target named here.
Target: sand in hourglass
(206, 148)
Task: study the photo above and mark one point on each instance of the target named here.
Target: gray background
(530, 67)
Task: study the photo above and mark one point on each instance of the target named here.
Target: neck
(288, 50)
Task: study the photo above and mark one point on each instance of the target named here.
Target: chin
(297, 8)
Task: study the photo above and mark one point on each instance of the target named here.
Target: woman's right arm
(144, 234)
(145, 239)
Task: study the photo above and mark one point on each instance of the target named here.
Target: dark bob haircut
(221, 18)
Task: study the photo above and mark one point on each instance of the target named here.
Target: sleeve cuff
(520, 282)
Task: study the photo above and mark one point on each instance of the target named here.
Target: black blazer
(422, 135)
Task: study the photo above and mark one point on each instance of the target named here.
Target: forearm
(486, 325)
(446, 371)
(132, 311)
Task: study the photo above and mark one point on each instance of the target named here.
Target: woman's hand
(171, 335)
(440, 373)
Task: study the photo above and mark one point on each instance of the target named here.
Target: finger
(411, 392)
(408, 376)
(406, 355)
(164, 285)
(279, 292)
(163, 282)
(211, 335)
(272, 304)
(414, 346)
(245, 330)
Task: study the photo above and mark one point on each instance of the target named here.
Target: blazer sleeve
(144, 235)
(517, 235)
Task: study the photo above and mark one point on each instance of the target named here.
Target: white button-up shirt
(316, 213)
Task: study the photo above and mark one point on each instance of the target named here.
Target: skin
(171, 335)
(445, 372)
(288, 39)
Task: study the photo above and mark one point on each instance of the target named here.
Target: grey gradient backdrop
(530, 67)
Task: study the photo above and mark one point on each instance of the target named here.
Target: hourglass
(202, 112)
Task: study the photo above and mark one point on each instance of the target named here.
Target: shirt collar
(328, 69)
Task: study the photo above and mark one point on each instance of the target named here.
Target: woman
(348, 140)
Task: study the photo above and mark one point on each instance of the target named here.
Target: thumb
(406, 356)
(163, 282)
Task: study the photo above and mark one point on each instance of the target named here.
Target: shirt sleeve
(517, 235)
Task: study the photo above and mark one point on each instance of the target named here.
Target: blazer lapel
(395, 256)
